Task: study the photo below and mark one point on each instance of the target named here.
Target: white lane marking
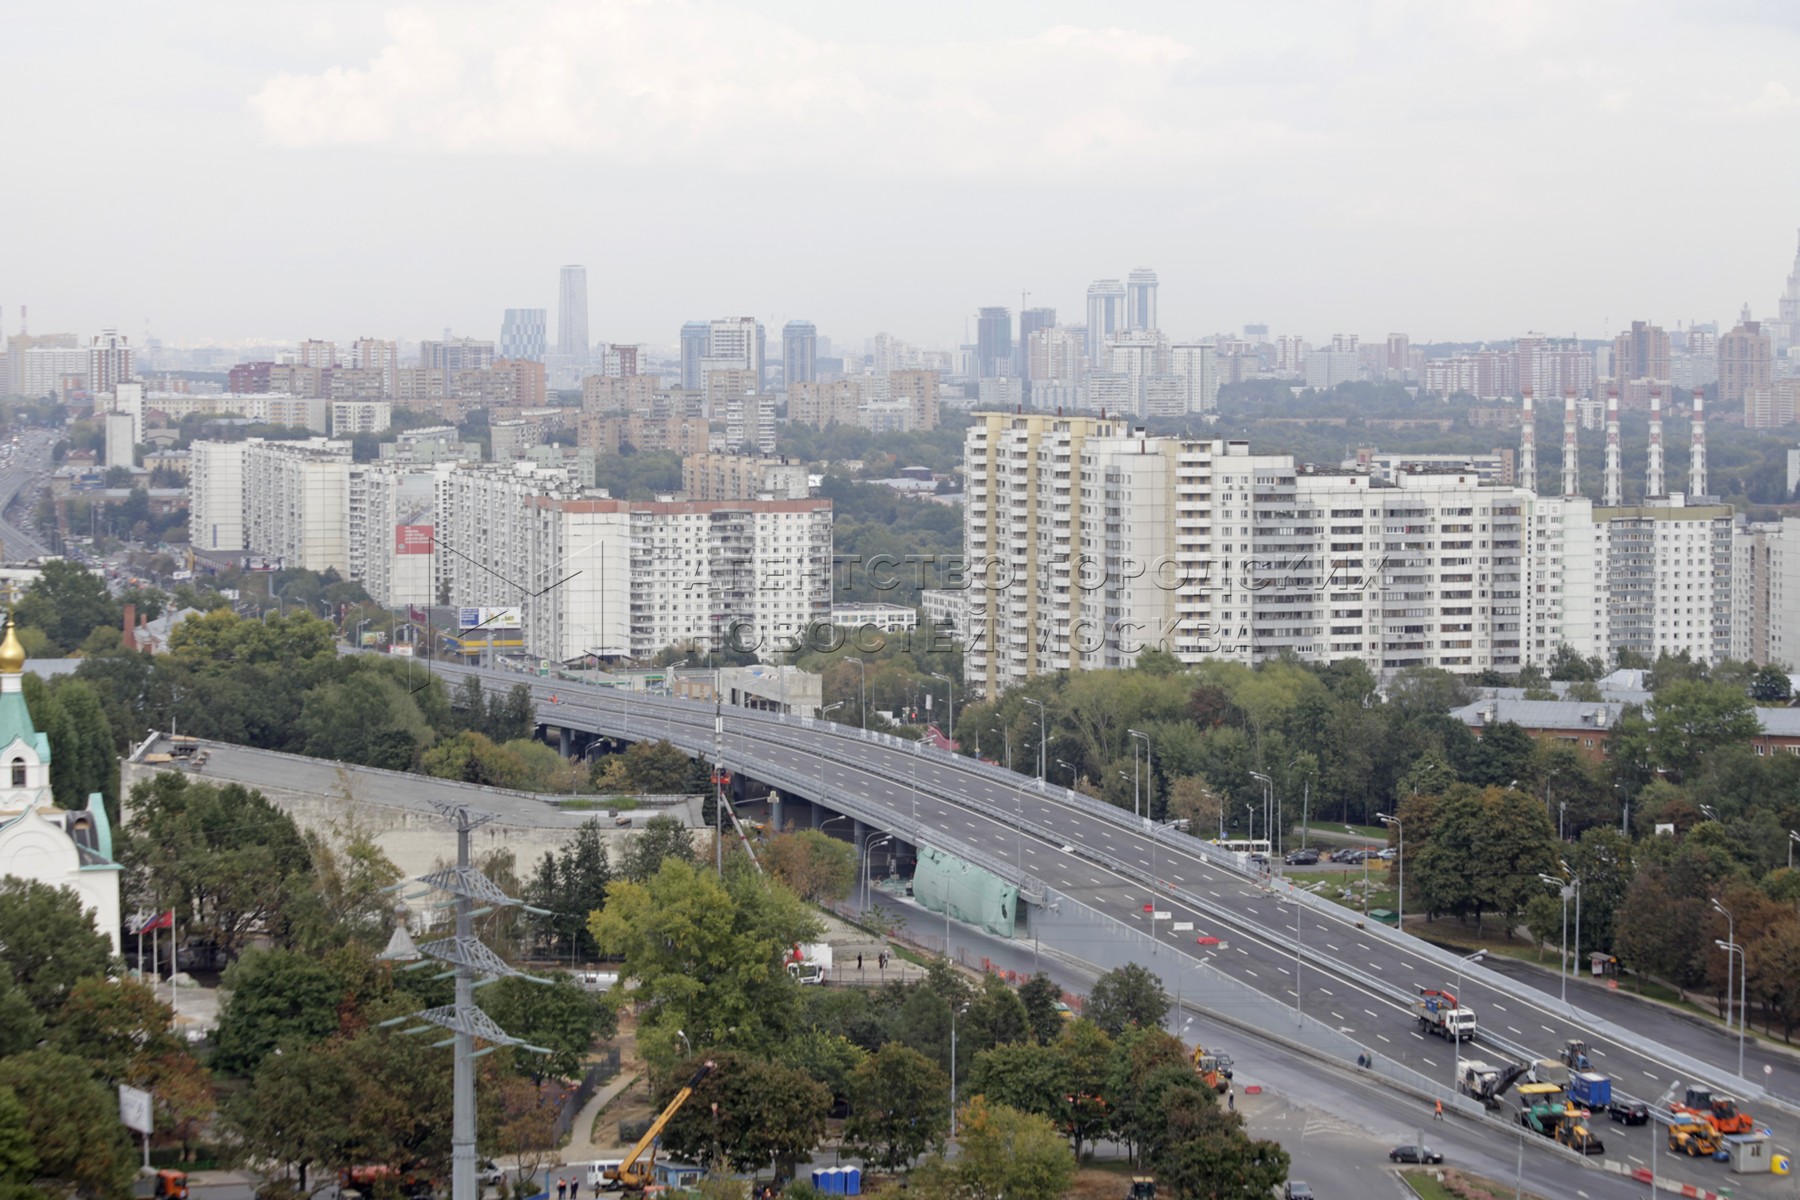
(1374, 966)
(1214, 894)
(1648, 1075)
(1143, 862)
(1499, 1006)
(1516, 1029)
(1326, 991)
(1547, 1029)
(1337, 1016)
(1242, 951)
(1599, 1053)
(1373, 1013)
(1331, 947)
(1249, 972)
(1383, 1037)
(1428, 1062)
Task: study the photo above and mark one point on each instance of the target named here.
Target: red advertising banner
(412, 539)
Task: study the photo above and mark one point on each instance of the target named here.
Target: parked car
(1415, 1154)
(1296, 1190)
(1628, 1112)
(1302, 858)
(1347, 854)
(1388, 855)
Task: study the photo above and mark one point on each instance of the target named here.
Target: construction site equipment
(1213, 1068)
(633, 1177)
(1542, 1107)
(1574, 1133)
(1486, 1082)
(1142, 1188)
(171, 1185)
(1720, 1112)
(1574, 1055)
(1439, 1013)
(1692, 1136)
(810, 963)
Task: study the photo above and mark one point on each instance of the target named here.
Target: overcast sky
(1453, 170)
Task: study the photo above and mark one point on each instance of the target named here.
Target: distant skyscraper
(1106, 316)
(799, 353)
(572, 317)
(1140, 299)
(994, 343)
(524, 333)
(109, 361)
(1786, 326)
(739, 339)
(1641, 352)
(1030, 321)
(1746, 362)
(696, 342)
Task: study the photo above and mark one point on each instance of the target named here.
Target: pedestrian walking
(1438, 1113)
(562, 1189)
(574, 1187)
(1230, 1099)
(859, 961)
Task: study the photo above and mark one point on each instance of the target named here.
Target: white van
(596, 1173)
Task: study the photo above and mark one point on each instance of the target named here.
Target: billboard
(134, 1109)
(488, 618)
(412, 539)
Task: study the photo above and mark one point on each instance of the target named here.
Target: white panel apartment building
(296, 502)
(391, 530)
(1090, 542)
(216, 495)
(627, 578)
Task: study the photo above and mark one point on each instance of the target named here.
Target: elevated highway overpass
(1292, 947)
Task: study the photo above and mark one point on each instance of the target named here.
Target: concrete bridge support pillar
(564, 742)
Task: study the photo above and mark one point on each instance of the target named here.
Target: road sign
(134, 1109)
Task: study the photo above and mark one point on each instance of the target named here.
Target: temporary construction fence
(972, 895)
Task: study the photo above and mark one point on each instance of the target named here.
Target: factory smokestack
(1653, 483)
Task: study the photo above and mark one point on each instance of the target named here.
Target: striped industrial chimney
(1697, 464)
(1653, 483)
(1528, 445)
(1571, 446)
(1612, 482)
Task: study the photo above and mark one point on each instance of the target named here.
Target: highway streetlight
(1149, 773)
(1710, 812)
(1135, 777)
(1731, 948)
(669, 712)
(1462, 962)
(868, 868)
(863, 703)
(1731, 935)
(1793, 836)
(1251, 809)
(1565, 888)
(949, 707)
(1006, 740)
(1268, 809)
(1065, 763)
(1400, 863)
(362, 624)
(1043, 726)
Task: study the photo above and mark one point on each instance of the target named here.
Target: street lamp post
(949, 706)
(1065, 763)
(1043, 725)
(863, 701)
(1400, 862)
(1268, 810)
(1135, 787)
(1251, 809)
(869, 867)
(1006, 740)
(1793, 836)
(1731, 935)
(1461, 963)
(1731, 948)
(1149, 774)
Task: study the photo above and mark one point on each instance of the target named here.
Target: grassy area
(1456, 1185)
(1426, 1187)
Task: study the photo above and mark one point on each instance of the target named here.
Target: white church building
(38, 840)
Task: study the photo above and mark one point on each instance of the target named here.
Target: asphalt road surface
(30, 460)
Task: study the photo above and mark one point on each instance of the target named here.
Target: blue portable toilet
(852, 1181)
(818, 1178)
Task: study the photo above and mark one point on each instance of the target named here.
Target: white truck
(1439, 1013)
(810, 963)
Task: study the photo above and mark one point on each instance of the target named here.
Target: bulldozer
(1720, 1112)
(1572, 1131)
(1213, 1068)
(1692, 1136)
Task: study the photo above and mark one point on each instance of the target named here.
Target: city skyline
(1332, 169)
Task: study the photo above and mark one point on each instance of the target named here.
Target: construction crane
(628, 1176)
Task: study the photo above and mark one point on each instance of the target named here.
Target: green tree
(829, 1058)
(1087, 1051)
(1771, 685)
(1125, 996)
(275, 997)
(67, 602)
(296, 1113)
(899, 1107)
(18, 1162)
(21, 1025)
(367, 719)
(72, 1124)
(1207, 1154)
(706, 953)
(1689, 718)
(348, 897)
(49, 941)
(663, 839)
(1137, 1082)
(1003, 1154)
(118, 1026)
(996, 1016)
(815, 864)
(746, 1114)
(571, 885)
(1042, 999)
(562, 1018)
(1031, 1077)
(647, 768)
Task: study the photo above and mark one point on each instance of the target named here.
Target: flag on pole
(160, 921)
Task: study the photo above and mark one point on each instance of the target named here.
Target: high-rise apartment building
(1785, 329)
(316, 353)
(993, 343)
(696, 341)
(1398, 359)
(1056, 356)
(742, 477)
(1641, 352)
(295, 502)
(216, 495)
(736, 342)
(1746, 362)
(917, 390)
(390, 527)
(525, 333)
(1030, 321)
(572, 316)
(799, 353)
(1140, 300)
(380, 355)
(456, 354)
(1194, 363)
(1139, 355)
(109, 361)
(1105, 317)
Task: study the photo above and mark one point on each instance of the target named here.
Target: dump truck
(1692, 1136)
(1720, 1112)
(1542, 1107)
(1486, 1082)
(1590, 1090)
(1214, 1069)
(1439, 1013)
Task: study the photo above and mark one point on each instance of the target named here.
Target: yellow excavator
(630, 1177)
